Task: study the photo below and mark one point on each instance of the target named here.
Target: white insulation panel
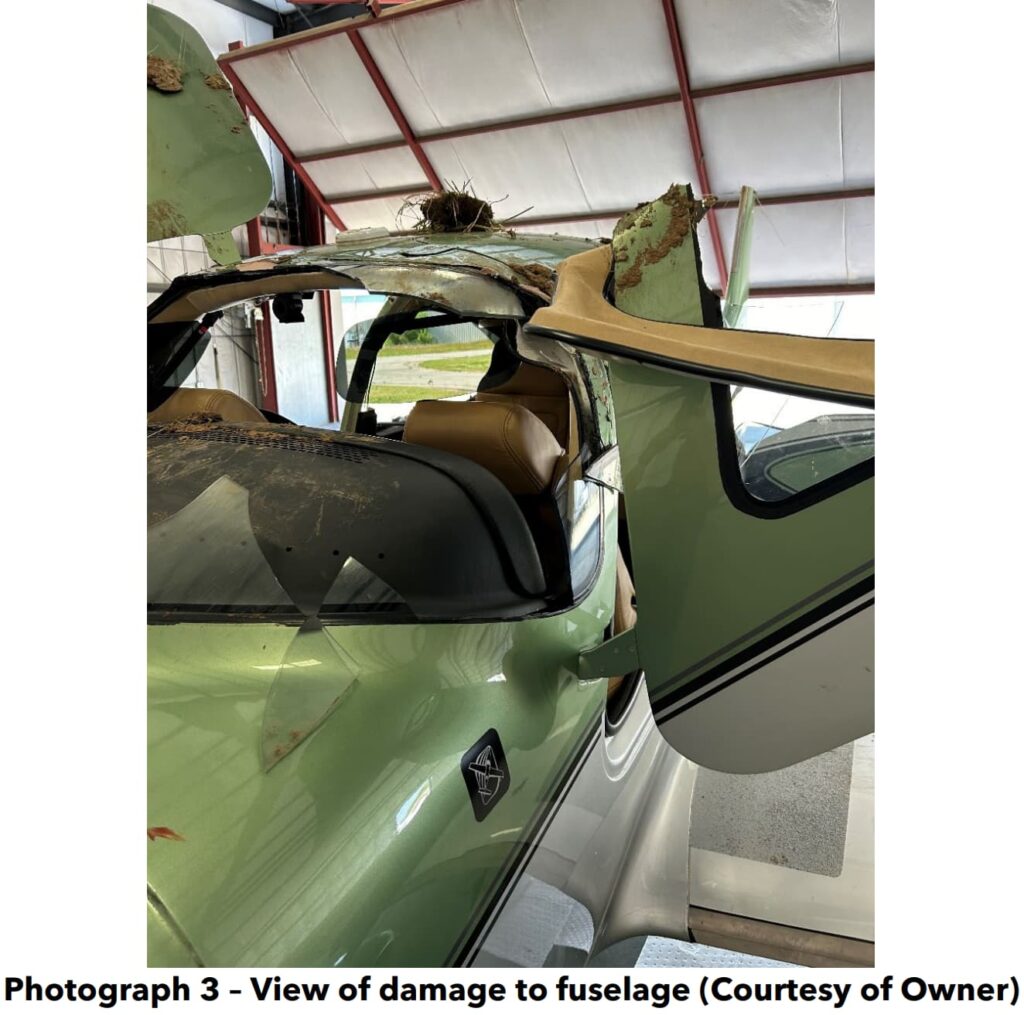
(737, 40)
(358, 174)
(480, 63)
(517, 59)
(812, 243)
(318, 96)
(378, 212)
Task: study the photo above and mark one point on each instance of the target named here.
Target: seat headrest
(226, 405)
(528, 379)
(504, 438)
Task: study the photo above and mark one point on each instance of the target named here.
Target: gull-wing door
(206, 172)
(747, 469)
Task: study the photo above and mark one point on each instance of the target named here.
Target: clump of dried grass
(453, 210)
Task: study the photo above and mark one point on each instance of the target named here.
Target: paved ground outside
(408, 371)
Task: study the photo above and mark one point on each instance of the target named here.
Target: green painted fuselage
(360, 847)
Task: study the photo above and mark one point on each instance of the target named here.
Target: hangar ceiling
(567, 114)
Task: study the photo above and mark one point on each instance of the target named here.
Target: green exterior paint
(206, 172)
(655, 261)
(165, 940)
(706, 572)
(222, 248)
(359, 846)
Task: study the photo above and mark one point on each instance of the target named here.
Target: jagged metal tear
(310, 683)
(316, 674)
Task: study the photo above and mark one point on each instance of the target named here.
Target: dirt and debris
(538, 275)
(238, 128)
(217, 82)
(452, 210)
(163, 220)
(162, 74)
(684, 214)
(201, 424)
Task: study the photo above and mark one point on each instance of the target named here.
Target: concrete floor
(793, 847)
(408, 370)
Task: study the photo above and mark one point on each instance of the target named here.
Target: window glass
(581, 508)
(786, 444)
(445, 361)
(226, 359)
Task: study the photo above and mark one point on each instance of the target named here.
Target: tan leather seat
(540, 390)
(503, 437)
(226, 405)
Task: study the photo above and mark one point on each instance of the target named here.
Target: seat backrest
(503, 437)
(540, 390)
(225, 405)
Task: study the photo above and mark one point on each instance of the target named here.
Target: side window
(226, 360)
(583, 517)
(787, 446)
(444, 362)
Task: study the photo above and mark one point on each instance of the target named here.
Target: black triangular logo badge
(486, 773)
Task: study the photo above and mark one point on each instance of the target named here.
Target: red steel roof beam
(731, 202)
(399, 117)
(575, 114)
(493, 128)
(370, 195)
(248, 102)
(822, 74)
(679, 58)
(817, 289)
(821, 289)
(850, 194)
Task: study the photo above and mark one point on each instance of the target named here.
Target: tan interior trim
(193, 305)
(503, 437)
(841, 366)
(225, 405)
(776, 941)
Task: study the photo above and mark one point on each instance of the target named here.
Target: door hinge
(612, 658)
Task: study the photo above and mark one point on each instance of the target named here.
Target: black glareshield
(252, 520)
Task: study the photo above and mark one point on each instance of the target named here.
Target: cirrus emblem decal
(486, 773)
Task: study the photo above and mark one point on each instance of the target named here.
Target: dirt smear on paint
(164, 220)
(684, 214)
(538, 275)
(162, 74)
(217, 82)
